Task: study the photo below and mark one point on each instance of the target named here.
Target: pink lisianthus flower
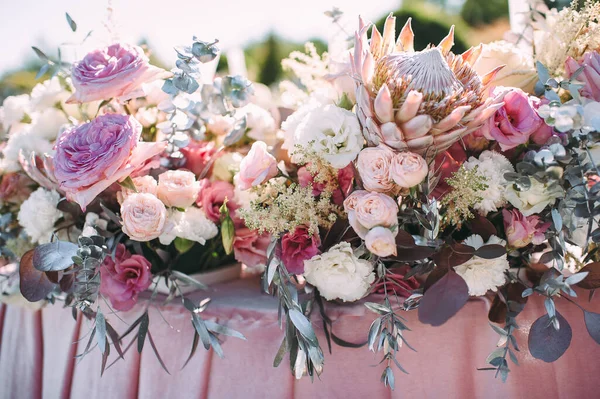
(91, 157)
(211, 198)
(117, 71)
(590, 75)
(198, 155)
(15, 188)
(122, 279)
(250, 247)
(521, 231)
(512, 124)
(298, 246)
(257, 167)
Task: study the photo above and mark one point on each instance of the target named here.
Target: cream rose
(408, 169)
(367, 210)
(518, 68)
(381, 241)
(143, 184)
(534, 200)
(373, 165)
(339, 274)
(257, 167)
(178, 188)
(143, 216)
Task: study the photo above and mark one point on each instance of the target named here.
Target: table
(37, 356)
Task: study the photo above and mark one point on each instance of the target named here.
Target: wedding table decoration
(418, 178)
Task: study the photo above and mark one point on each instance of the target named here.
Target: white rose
(192, 225)
(38, 214)
(534, 200)
(259, 123)
(226, 166)
(22, 139)
(481, 274)
(333, 133)
(518, 71)
(14, 109)
(338, 274)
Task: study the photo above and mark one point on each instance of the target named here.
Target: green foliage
(430, 25)
(477, 12)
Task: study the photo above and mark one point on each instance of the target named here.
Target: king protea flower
(421, 101)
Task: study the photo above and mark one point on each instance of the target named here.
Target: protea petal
(406, 39)
(392, 136)
(389, 34)
(411, 105)
(474, 55)
(418, 126)
(374, 132)
(451, 120)
(384, 108)
(489, 77)
(368, 67)
(376, 42)
(446, 44)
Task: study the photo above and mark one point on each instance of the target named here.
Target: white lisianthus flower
(38, 214)
(481, 274)
(339, 274)
(492, 166)
(192, 225)
(292, 122)
(518, 68)
(259, 123)
(534, 200)
(47, 94)
(226, 166)
(92, 222)
(48, 123)
(22, 139)
(332, 133)
(14, 109)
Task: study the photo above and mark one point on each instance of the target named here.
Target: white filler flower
(338, 274)
(481, 274)
(492, 166)
(192, 225)
(38, 214)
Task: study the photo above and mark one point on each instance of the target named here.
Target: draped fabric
(38, 355)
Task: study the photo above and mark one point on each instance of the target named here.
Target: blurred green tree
(478, 12)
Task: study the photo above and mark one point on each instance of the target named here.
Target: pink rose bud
(590, 75)
(124, 277)
(143, 184)
(116, 71)
(257, 167)
(381, 241)
(212, 196)
(144, 217)
(91, 157)
(512, 124)
(367, 210)
(178, 188)
(298, 246)
(373, 165)
(521, 231)
(408, 169)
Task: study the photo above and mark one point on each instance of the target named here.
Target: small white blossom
(38, 214)
(47, 94)
(22, 139)
(481, 274)
(48, 123)
(191, 225)
(260, 123)
(226, 166)
(492, 166)
(14, 109)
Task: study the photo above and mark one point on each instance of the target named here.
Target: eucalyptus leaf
(546, 342)
(443, 299)
(71, 23)
(303, 325)
(592, 324)
(54, 256)
(223, 330)
(142, 331)
(201, 330)
(101, 330)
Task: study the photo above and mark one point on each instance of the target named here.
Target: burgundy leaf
(592, 280)
(34, 284)
(411, 254)
(453, 255)
(443, 299)
(482, 226)
(592, 323)
(545, 342)
(404, 239)
(491, 251)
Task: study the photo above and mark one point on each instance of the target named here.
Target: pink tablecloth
(37, 356)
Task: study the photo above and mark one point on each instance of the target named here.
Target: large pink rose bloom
(124, 277)
(512, 124)
(298, 246)
(91, 157)
(116, 71)
(249, 247)
(590, 75)
(521, 231)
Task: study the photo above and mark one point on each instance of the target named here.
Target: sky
(165, 24)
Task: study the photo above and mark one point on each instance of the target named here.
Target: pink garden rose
(521, 231)
(91, 157)
(257, 167)
(144, 216)
(211, 198)
(124, 277)
(249, 247)
(178, 188)
(15, 188)
(298, 246)
(373, 165)
(590, 75)
(381, 241)
(116, 71)
(143, 184)
(408, 169)
(512, 124)
(198, 155)
(369, 209)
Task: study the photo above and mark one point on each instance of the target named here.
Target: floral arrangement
(423, 176)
